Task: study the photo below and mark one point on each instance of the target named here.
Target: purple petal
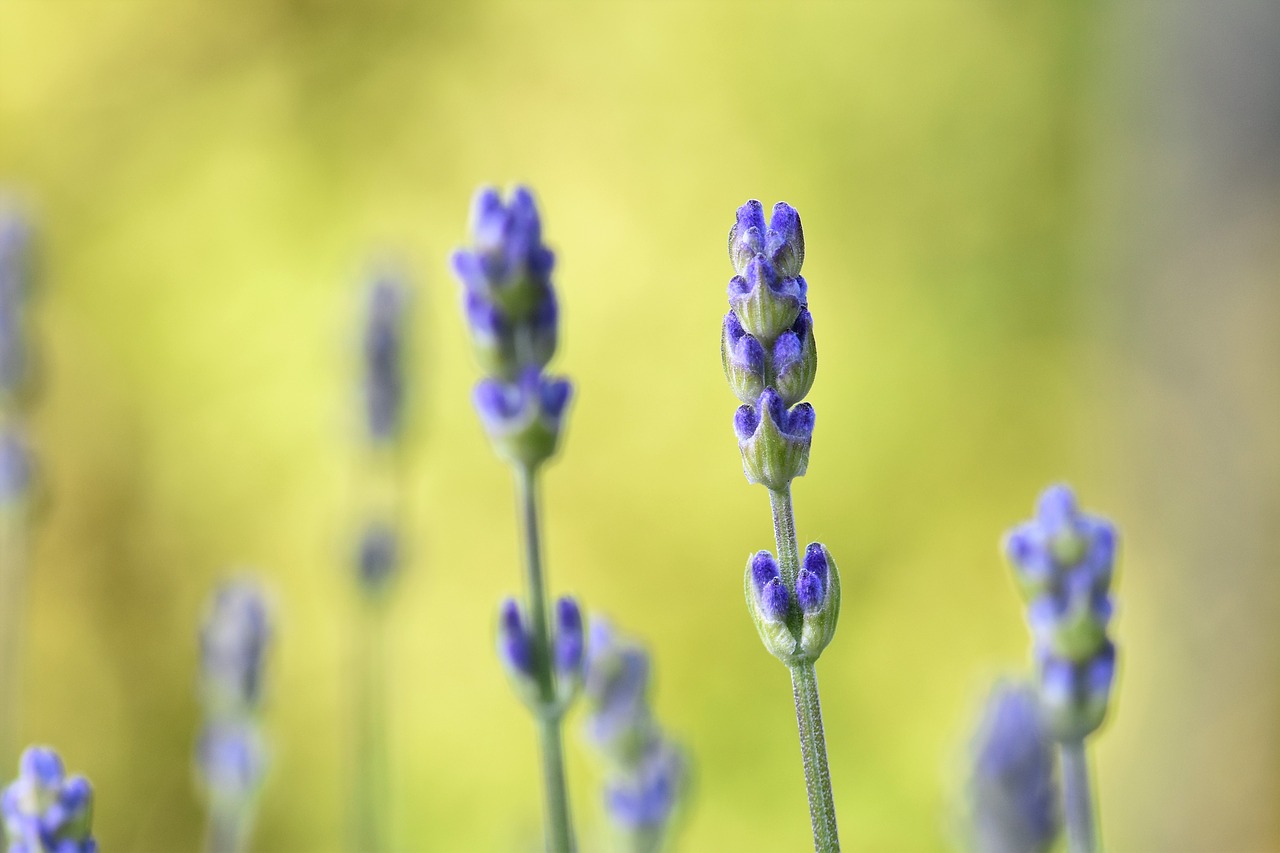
(774, 600)
(745, 422)
(810, 591)
(764, 568)
(815, 560)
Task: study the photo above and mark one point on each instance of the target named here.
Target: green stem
(228, 829)
(559, 828)
(1077, 799)
(804, 687)
(372, 818)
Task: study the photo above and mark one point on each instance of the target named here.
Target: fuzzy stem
(559, 828)
(804, 687)
(1077, 799)
(228, 830)
(372, 813)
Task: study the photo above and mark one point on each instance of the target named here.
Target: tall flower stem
(228, 830)
(1077, 798)
(804, 685)
(372, 790)
(558, 825)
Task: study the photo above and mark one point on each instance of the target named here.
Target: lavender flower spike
(46, 811)
(15, 275)
(1063, 560)
(511, 312)
(770, 360)
(1013, 790)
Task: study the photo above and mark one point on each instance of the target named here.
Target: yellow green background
(1040, 246)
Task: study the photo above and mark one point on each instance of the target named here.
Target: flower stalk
(512, 315)
(770, 360)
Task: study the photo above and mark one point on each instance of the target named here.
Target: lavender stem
(804, 685)
(559, 827)
(1077, 799)
(372, 792)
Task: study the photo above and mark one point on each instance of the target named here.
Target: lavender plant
(378, 554)
(46, 811)
(646, 771)
(511, 313)
(1013, 787)
(770, 360)
(15, 461)
(231, 753)
(1063, 561)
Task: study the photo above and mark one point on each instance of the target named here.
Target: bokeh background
(1042, 245)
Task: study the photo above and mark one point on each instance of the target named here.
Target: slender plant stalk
(372, 789)
(558, 825)
(1077, 799)
(804, 684)
(13, 566)
(228, 830)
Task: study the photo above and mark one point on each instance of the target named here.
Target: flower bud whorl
(774, 440)
(46, 810)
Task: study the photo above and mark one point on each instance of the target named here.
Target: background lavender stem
(13, 566)
(372, 789)
(558, 825)
(1077, 798)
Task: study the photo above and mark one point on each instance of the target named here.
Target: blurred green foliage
(210, 182)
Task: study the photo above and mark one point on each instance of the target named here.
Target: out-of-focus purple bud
(233, 646)
(645, 798)
(44, 810)
(384, 358)
(568, 637)
(231, 760)
(515, 645)
(523, 419)
(378, 556)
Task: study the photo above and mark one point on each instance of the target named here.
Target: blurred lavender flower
(46, 811)
(512, 315)
(231, 754)
(378, 555)
(1063, 561)
(233, 645)
(15, 268)
(511, 312)
(384, 358)
(646, 772)
(1013, 791)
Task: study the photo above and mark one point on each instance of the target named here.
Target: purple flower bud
(746, 237)
(784, 242)
(810, 592)
(795, 360)
(43, 766)
(764, 568)
(568, 637)
(774, 601)
(515, 646)
(231, 760)
(817, 561)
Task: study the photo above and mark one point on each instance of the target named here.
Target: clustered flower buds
(230, 752)
(767, 344)
(46, 811)
(646, 771)
(796, 621)
(518, 650)
(511, 312)
(1013, 790)
(1063, 562)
